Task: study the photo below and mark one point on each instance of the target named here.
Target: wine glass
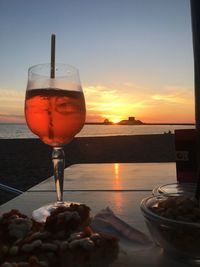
(55, 111)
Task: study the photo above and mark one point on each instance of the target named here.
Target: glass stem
(58, 158)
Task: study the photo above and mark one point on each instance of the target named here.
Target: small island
(129, 121)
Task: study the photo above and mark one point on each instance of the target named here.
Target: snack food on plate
(65, 239)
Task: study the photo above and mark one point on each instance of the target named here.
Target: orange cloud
(117, 102)
(171, 104)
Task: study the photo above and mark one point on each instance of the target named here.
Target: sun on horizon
(115, 120)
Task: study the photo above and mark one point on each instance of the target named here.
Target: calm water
(12, 131)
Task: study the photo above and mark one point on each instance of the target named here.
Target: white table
(121, 186)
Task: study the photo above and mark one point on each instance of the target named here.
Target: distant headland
(132, 121)
(129, 121)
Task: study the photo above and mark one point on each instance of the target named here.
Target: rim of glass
(176, 186)
(155, 216)
(162, 189)
(71, 67)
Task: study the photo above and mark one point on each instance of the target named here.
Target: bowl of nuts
(174, 224)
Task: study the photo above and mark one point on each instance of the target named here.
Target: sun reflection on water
(117, 196)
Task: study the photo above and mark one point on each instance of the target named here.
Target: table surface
(119, 186)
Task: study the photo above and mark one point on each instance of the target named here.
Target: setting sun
(169, 105)
(115, 120)
(151, 80)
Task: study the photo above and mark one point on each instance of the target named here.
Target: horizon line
(145, 123)
(112, 123)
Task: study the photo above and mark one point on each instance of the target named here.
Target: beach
(26, 162)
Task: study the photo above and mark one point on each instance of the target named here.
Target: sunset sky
(135, 57)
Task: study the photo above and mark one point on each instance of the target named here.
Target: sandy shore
(26, 162)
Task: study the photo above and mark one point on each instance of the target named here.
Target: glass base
(41, 214)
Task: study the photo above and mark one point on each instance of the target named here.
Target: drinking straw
(53, 46)
(52, 75)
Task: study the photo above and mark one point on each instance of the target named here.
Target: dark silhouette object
(195, 16)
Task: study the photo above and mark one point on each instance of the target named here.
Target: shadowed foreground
(26, 162)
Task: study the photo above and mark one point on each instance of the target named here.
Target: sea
(17, 131)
